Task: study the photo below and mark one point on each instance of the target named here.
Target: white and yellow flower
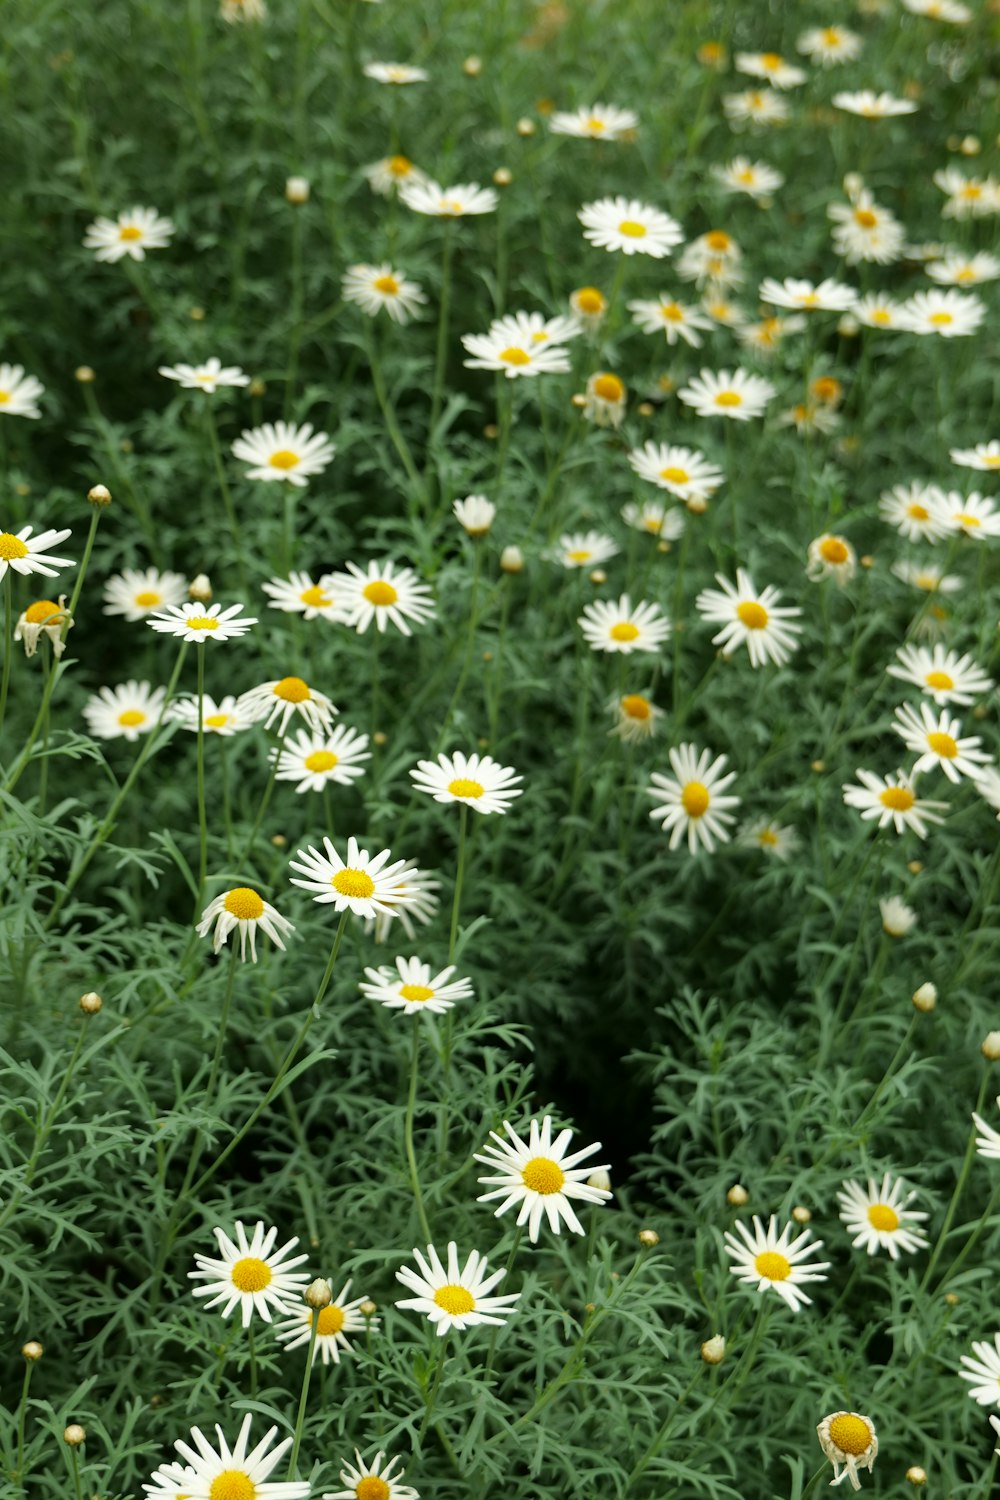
(318, 760)
(125, 712)
(380, 288)
(942, 674)
(26, 554)
(413, 987)
(599, 122)
(623, 628)
(892, 799)
(281, 451)
(754, 178)
(936, 739)
(629, 226)
(881, 1218)
(383, 593)
(429, 197)
(374, 1481)
(476, 781)
(136, 593)
(694, 802)
(636, 717)
(582, 549)
(201, 622)
(277, 701)
(768, 1261)
(399, 74)
(333, 1323)
(244, 909)
(19, 392)
(207, 377)
(298, 594)
(135, 231)
(749, 618)
(250, 1274)
(43, 617)
(539, 1176)
(388, 176)
(367, 885)
(459, 1297)
(738, 396)
(848, 1440)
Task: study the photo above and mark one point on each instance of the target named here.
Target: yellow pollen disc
(353, 883)
(898, 798)
(965, 273)
(850, 1433)
(810, 299)
(245, 904)
(539, 336)
(4, 397)
(831, 36)
(992, 460)
(865, 218)
(941, 319)
(773, 1266)
(771, 60)
(131, 718)
(451, 205)
(542, 1175)
(379, 592)
(746, 176)
(654, 524)
(880, 315)
(217, 721)
(455, 1299)
(964, 519)
(315, 597)
(635, 706)
(943, 745)
(631, 229)
(581, 555)
(321, 760)
(918, 512)
(881, 1216)
(624, 631)
(940, 680)
(595, 124)
(416, 992)
(42, 609)
(463, 787)
(970, 190)
(129, 232)
(768, 837)
(609, 388)
(514, 356)
(372, 1488)
(826, 388)
(718, 239)
(232, 1484)
(400, 166)
(283, 459)
(331, 1320)
(387, 284)
(695, 798)
(251, 1274)
(201, 622)
(672, 311)
(590, 300)
(833, 550)
(675, 476)
(292, 690)
(148, 599)
(926, 581)
(729, 398)
(11, 546)
(752, 615)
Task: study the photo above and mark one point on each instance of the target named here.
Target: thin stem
(297, 300)
(75, 1469)
(202, 811)
(8, 645)
(442, 333)
(963, 1177)
(459, 876)
(411, 1155)
(226, 493)
(432, 1393)
(306, 1377)
(515, 1246)
(22, 1409)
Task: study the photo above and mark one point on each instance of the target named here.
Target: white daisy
(927, 577)
(582, 549)
(720, 394)
(589, 305)
(831, 556)
(949, 314)
(957, 269)
(395, 73)
(252, 1273)
(636, 717)
(829, 45)
(475, 514)
(897, 918)
(299, 595)
(243, 908)
(769, 837)
(627, 225)
(881, 1219)
(694, 801)
(767, 336)
(967, 197)
(713, 257)
(171, 1481)
(429, 197)
(422, 902)
(599, 122)
(124, 712)
(864, 231)
(510, 345)
(280, 699)
(848, 1440)
(372, 1481)
(388, 176)
(805, 296)
(973, 515)
(27, 554)
(363, 884)
(235, 1472)
(282, 451)
(201, 622)
(772, 1262)
(872, 106)
(457, 1297)
(237, 12)
(44, 617)
(333, 1323)
(916, 509)
(675, 320)
(620, 627)
(983, 1371)
(321, 759)
(19, 393)
(988, 1140)
(412, 987)
(940, 10)
(135, 231)
(135, 594)
(655, 517)
(477, 781)
(223, 718)
(935, 737)
(207, 377)
(751, 619)
(875, 310)
(772, 67)
(682, 471)
(380, 288)
(942, 674)
(892, 799)
(538, 1175)
(984, 456)
(384, 593)
(754, 178)
(755, 107)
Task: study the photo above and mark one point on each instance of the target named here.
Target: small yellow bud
(503, 177)
(663, 546)
(951, 1298)
(257, 387)
(380, 737)
(916, 1475)
(297, 190)
(648, 1238)
(601, 1179)
(200, 589)
(32, 1350)
(915, 866)
(801, 1214)
(74, 1434)
(84, 374)
(713, 1350)
(99, 495)
(817, 766)
(579, 400)
(279, 840)
(368, 1308)
(991, 1046)
(487, 656)
(925, 998)
(526, 127)
(696, 504)
(319, 1293)
(867, 561)
(491, 432)
(737, 1195)
(90, 1003)
(511, 560)
(598, 576)
(646, 409)
(472, 67)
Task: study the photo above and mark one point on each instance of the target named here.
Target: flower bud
(991, 1046)
(600, 1179)
(319, 1293)
(197, 315)
(713, 1350)
(648, 1238)
(737, 1195)
(200, 589)
(526, 127)
(472, 67)
(801, 1214)
(257, 387)
(503, 177)
(916, 1475)
(380, 738)
(646, 409)
(32, 1350)
(84, 374)
(297, 190)
(74, 1434)
(951, 1298)
(90, 1003)
(511, 560)
(368, 1308)
(925, 998)
(279, 840)
(99, 495)
(598, 576)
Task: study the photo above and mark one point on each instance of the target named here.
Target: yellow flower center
(251, 1274)
(542, 1175)
(594, 123)
(201, 622)
(40, 611)
(455, 1299)
(4, 397)
(768, 838)
(941, 319)
(400, 166)
(880, 315)
(881, 1216)
(292, 690)
(129, 232)
(992, 460)
(808, 299)
(632, 229)
(419, 992)
(831, 36)
(590, 300)
(747, 176)
(581, 555)
(609, 388)
(918, 512)
(940, 680)
(514, 356)
(965, 273)
(131, 718)
(752, 615)
(539, 336)
(387, 284)
(865, 218)
(635, 706)
(624, 631)
(964, 519)
(353, 883)
(898, 798)
(927, 581)
(148, 599)
(315, 597)
(321, 760)
(372, 1488)
(943, 745)
(833, 550)
(771, 60)
(826, 388)
(718, 239)
(970, 190)
(378, 592)
(729, 398)
(463, 787)
(232, 1484)
(850, 1433)
(450, 206)
(283, 459)
(675, 476)
(331, 1320)
(772, 1265)
(217, 721)
(672, 311)
(695, 798)
(11, 546)
(247, 906)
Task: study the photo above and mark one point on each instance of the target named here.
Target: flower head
(942, 674)
(27, 554)
(363, 884)
(373, 1481)
(207, 377)
(458, 1297)
(429, 197)
(749, 618)
(892, 799)
(413, 988)
(693, 802)
(636, 717)
(632, 227)
(135, 231)
(135, 593)
(300, 595)
(281, 451)
(621, 628)
(378, 289)
(244, 909)
(880, 1218)
(334, 1323)
(772, 1262)
(476, 781)
(223, 718)
(539, 1176)
(19, 393)
(384, 593)
(251, 1273)
(936, 737)
(277, 701)
(124, 712)
(201, 622)
(44, 617)
(321, 758)
(475, 514)
(395, 73)
(849, 1442)
(684, 472)
(739, 396)
(596, 122)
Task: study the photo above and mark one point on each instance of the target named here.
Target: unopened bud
(472, 67)
(368, 1308)
(257, 387)
(801, 1214)
(526, 127)
(32, 1350)
(279, 840)
(503, 177)
(197, 315)
(487, 656)
(511, 560)
(915, 866)
(696, 504)
(74, 1434)
(713, 1350)
(737, 1195)
(200, 589)
(925, 998)
(90, 1003)
(99, 495)
(380, 737)
(951, 1298)
(491, 432)
(84, 374)
(319, 1293)
(646, 409)
(916, 1475)
(601, 1179)
(297, 190)
(817, 766)
(991, 1046)
(598, 576)
(648, 1238)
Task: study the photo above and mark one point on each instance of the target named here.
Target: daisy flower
(771, 838)
(207, 377)
(675, 320)
(829, 45)
(319, 760)
(420, 889)
(245, 909)
(372, 1482)
(250, 1272)
(477, 781)
(299, 595)
(772, 1262)
(988, 1140)
(864, 231)
(608, 626)
(475, 514)
(754, 178)
(766, 337)
(590, 305)
(808, 418)
(235, 1472)
(19, 393)
(916, 509)
(831, 556)
(881, 1219)
(682, 471)
(201, 622)
(599, 122)
(940, 10)
(943, 675)
(935, 738)
(849, 1442)
(282, 451)
(967, 197)
(171, 1481)
(124, 712)
(755, 107)
(655, 517)
(43, 617)
(875, 310)
(892, 799)
(983, 1371)
(949, 314)
(396, 73)
(582, 549)
(772, 67)
(135, 231)
(538, 1175)
(956, 269)
(984, 456)
(27, 554)
(364, 885)
(234, 12)
(897, 918)
(713, 257)
(627, 225)
(378, 289)
(927, 577)
(429, 197)
(135, 594)
(972, 514)
(739, 396)
(385, 594)
(636, 717)
(334, 1323)
(509, 345)
(389, 175)
(827, 296)
(457, 1297)
(412, 987)
(872, 106)
(286, 696)
(692, 801)
(750, 619)
(223, 718)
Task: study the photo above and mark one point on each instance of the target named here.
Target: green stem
(202, 811)
(297, 301)
(8, 644)
(75, 1469)
(226, 493)
(432, 1393)
(963, 1177)
(21, 1414)
(664, 1432)
(515, 1246)
(441, 356)
(411, 1155)
(459, 876)
(46, 1121)
(306, 1377)
(393, 428)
